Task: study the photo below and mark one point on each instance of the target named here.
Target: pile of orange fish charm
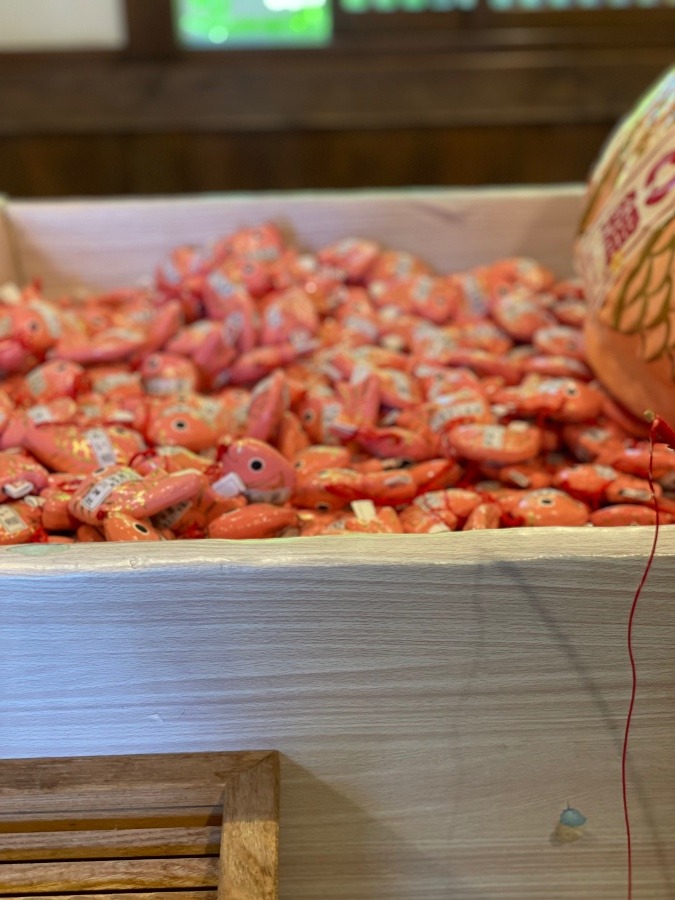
(258, 391)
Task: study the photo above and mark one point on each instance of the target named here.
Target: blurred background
(175, 96)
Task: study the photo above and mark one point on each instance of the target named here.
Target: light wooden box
(437, 700)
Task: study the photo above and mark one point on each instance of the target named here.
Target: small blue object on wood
(572, 818)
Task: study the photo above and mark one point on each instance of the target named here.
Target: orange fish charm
(121, 489)
(192, 421)
(261, 361)
(119, 526)
(208, 346)
(318, 457)
(165, 374)
(20, 475)
(292, 437)
(440, 510)
(546, 507)
(289, 314)
(586, 481)
(513, 443)
(395, 442)
(269, 401)
(623, 514)
(56, 378)
(20, 521)
(55, 513)
(327, 490)
(259, 520)
(485, 515)
(67, 448)
(36, 324)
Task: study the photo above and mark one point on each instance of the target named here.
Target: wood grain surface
(249, 854)
(433, 84)
(126, 895)
(8, 271)
(108, 842)
(95, 165)
(107, 787)
(108, 875)
(109, 243)
(437, 700)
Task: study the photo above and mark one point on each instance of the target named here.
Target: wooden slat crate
(436, 699)
(183, 826)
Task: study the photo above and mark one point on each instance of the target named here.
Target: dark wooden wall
(91, 164)
(375, 109)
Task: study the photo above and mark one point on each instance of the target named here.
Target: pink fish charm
(256, 470)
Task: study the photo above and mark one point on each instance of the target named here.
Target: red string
(40, 536)
(141, 456)
(662, 431)
(659, 429)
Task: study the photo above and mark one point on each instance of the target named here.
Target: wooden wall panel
(106, 164)
(33, 166)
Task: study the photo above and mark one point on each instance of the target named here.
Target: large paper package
(625, 252)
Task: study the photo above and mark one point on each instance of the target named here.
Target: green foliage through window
(218, 24)
(564, 5)
(385, 6)
(204, 24)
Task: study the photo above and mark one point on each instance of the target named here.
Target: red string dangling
(663, 432)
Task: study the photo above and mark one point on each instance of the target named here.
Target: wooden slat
(321, 89)
(110, 843)
(8, 265)
(127, 895)
(150, 29)
(108, 165)
(100, 820)
(108, 875)
(249, 852)
(145, 784)
(36, 860)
